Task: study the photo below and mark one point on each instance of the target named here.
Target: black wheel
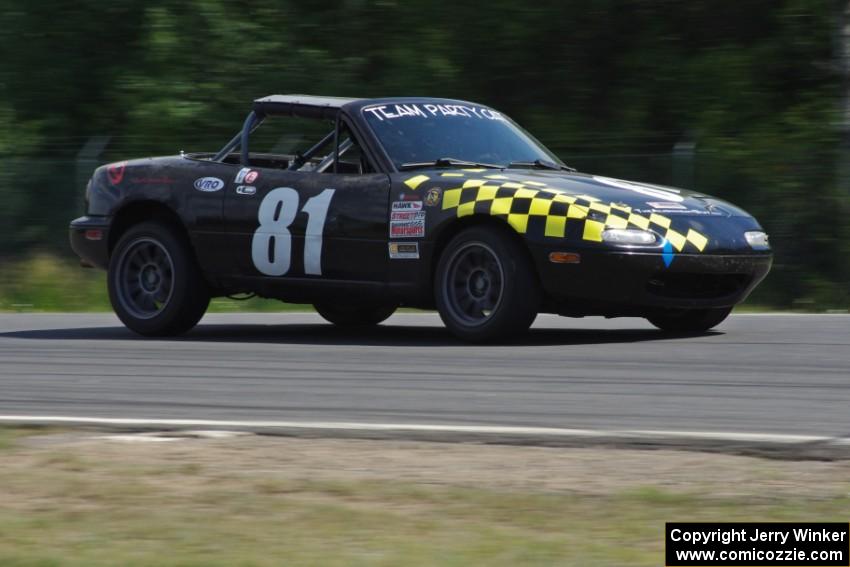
(356, 314)
(155, 285)
(689, 320)
(485, 286)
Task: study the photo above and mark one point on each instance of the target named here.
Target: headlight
(629, 236)
(757, 240)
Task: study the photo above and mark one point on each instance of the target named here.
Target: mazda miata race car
(417, 202)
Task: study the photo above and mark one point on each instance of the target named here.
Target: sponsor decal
(240, 177)
(407, 215)
(395, 111)
(407, 206)
(407, 220)
(432, 197)
(251, 176)
(404, 250)
(407, 229)
(115, 172)
(246, 190)
(409, 197)
(208, 184)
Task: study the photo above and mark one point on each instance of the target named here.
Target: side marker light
(564, 258)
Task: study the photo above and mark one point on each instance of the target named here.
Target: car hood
(543, 204)
(641, 197)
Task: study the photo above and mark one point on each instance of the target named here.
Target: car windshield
(425, 133)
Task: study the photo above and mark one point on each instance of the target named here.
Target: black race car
(418, 202)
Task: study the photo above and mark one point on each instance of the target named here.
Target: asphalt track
(776, 378)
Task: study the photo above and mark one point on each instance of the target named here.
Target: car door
(296, 224)
(199, 193)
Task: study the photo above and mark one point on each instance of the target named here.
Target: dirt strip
(588, 471)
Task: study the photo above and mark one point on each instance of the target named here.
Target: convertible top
(302, 106)
(327, 107)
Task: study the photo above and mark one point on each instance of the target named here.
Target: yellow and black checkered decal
(558, 213)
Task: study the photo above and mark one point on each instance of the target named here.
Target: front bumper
(91, 250)
(626, 282)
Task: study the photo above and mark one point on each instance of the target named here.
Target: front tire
(689, 320)
(485, 286)
(155, 285)
(354, 315)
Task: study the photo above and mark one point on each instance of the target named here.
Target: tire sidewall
(520, 298)
(172, 318)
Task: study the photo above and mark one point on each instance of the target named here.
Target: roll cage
(338, 139)
(346, 115)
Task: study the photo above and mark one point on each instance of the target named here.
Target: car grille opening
(696, 286)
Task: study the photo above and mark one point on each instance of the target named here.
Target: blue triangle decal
(667, 253)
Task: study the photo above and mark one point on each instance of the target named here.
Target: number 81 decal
(271, 247)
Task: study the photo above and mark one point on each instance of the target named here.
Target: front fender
(114, 186)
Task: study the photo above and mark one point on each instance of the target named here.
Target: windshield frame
(519, 130)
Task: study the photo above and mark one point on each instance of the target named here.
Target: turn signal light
(629, 236)
(564, 258)
(757, 240)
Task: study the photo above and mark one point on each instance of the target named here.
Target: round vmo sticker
(208, 184)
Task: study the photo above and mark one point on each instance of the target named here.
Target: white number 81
(271, 247)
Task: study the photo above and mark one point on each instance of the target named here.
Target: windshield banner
(392, 111)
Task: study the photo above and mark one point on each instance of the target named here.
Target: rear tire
(485, 286)
(356, 315)
(689, 320)
(155, 285)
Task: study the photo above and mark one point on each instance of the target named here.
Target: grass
(163, 504)
(45, 283)
(10, 435)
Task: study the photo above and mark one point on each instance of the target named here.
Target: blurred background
(747, 100)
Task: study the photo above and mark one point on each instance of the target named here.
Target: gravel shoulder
(91, 498)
